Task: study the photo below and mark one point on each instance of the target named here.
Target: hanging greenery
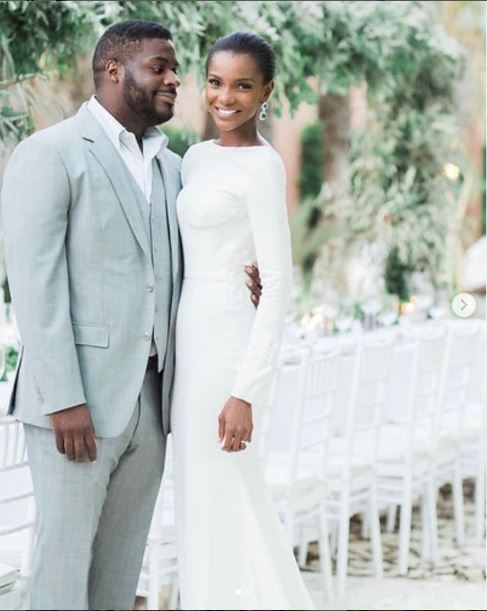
(37, 38)
(311, 174)
(398, 195)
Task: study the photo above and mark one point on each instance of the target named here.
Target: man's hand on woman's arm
(254, 283)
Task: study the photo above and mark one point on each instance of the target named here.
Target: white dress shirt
(139, 162)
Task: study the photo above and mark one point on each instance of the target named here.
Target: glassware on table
(345, 317)
(370, 307)
(422, 294)
(440, 306)
(329, 308)
(389, 314)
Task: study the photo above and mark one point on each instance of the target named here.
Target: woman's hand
(235, 425)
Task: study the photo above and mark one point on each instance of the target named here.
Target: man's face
(150, 81)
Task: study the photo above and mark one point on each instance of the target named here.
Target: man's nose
(172, 79)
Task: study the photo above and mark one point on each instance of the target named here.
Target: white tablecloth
(398, 386)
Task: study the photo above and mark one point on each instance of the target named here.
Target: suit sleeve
(35, 207)
(266, 205)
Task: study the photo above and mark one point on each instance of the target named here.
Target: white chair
(16, 511)
(350, 471)
(461, 424)
(160, 565)
(407, 448)
(473, 457)
(429, 448)
(295, 476)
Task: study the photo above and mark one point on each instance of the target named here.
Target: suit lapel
(171, 186)
(117, 173)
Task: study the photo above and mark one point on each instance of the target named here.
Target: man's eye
(157, 70)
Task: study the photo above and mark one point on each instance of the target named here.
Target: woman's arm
(266, 205)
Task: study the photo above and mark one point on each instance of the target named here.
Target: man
(94, 265)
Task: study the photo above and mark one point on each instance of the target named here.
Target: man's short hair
(122, 40)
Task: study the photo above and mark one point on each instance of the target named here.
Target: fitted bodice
(212, 210)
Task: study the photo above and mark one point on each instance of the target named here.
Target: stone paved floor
(458, 582)
(400, 592)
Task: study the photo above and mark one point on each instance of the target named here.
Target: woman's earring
(263, 111)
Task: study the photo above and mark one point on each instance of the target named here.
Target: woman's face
(234, 89)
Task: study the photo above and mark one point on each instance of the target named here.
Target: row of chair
(371, 463)
(342, 460)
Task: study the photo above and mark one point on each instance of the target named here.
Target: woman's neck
(241, 137)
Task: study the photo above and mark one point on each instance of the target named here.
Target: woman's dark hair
(248, 44)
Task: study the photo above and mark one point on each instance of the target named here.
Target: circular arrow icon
(463, 305)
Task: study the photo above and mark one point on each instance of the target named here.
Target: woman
(232, 549)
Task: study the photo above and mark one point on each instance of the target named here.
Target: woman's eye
(244, 86)
(213, 82)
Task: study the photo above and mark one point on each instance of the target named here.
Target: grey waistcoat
(154, 214)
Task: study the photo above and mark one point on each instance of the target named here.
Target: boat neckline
(254, 146)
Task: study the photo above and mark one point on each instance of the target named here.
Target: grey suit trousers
(93, 519)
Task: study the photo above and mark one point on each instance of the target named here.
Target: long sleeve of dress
(266, 205)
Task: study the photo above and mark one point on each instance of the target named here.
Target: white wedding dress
(232, 549)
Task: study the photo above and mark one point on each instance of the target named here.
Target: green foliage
(399, 196)
(43, 34)
(180, 139)
(340, 43)
(35, 38)
(11, 355)
(312, 160)
(396, 274)
(308, 236)
(7, 298)
(14, 124)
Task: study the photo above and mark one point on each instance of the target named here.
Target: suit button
(150, 288)
(147, 336)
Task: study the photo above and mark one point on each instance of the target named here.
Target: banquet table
(399, 384)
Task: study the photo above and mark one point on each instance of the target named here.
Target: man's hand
(254, 283)
(74, 433)
(235, 425)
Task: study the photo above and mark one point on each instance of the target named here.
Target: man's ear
(114, 70)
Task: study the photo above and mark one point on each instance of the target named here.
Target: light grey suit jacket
(79, 267)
